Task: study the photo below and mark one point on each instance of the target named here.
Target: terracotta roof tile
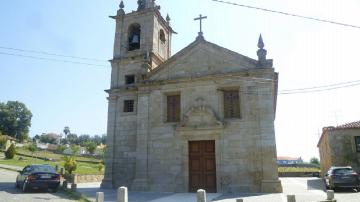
(349, 125)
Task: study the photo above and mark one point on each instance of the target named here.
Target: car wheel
(25, 187)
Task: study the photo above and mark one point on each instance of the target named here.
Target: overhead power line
(288, 14)
(51, 54)
(324, 86)
(51, 59)
(319, 90)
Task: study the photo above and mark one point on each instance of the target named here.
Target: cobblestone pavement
(305, 190)
(8, 192)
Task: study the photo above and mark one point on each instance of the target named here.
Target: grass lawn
(51, 155)
(297, 169)
(82, 168)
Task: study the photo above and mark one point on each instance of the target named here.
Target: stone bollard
(201, 195)
(73, 187)
(122, 195)
(291, 198)
(99, 196)
(64, 185)
(239, 200)
(330, 194)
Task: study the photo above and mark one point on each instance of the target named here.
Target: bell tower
(142, 42)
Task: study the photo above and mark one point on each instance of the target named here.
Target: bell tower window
(162, 36)
(134, 37)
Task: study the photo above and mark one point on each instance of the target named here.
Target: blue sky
(305, 53)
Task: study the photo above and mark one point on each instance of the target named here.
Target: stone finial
(122, 5)
(143, 4)
(261, 53)
(121, 10)
(168, 19)
(261, 42)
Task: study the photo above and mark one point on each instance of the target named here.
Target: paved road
(305, 189)
(8, 192)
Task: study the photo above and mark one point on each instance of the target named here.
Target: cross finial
(200, 18)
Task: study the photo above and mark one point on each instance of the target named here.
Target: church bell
(135, 39)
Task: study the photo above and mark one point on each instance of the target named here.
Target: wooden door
(202, 166)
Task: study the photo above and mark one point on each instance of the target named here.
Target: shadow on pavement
(345, 190)
(238, 195)
(316, 184)
(111, 194)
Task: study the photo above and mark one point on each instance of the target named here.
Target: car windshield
(43, 168)
(343, 171)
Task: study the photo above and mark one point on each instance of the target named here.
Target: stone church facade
(202, 118)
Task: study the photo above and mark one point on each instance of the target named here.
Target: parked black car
(342, 177)
(38, 177)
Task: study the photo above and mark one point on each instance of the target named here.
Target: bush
(3, 141)
(10, 152)
(101, 166)
(91, 147)
(69, 164)
(32, 147)
(61, 148)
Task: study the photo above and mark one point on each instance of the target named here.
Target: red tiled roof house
(340, 146)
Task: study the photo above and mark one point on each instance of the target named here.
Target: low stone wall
(299, 174)
(88, 178)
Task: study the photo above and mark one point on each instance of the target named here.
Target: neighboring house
(42, 146)
(200, 119)
(82, 151)
(340, 146)
(282, 160)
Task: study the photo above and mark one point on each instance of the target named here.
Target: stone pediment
(200, 117)
(202, 58)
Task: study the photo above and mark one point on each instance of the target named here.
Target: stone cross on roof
(200, 18)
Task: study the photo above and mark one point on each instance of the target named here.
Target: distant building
(340, 146)
(282, 160)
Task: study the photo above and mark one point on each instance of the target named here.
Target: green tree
(15, 119)
(50, 138)
(69, 164)
(84, 139)
(32, 148)
(10, 152)
(72, 139)
(75, 149)
(61, 148)
(315, 161)
(97, 139)
(66, 131)
(91, 147)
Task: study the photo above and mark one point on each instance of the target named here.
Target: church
(202, 118)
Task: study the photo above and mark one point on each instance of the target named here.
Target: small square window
(357, 143)
(129, 79)
(129, 106)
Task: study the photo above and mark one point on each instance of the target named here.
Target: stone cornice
(248, 75)
(154, 11)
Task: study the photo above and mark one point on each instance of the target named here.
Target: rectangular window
(129, 106)
(173, 108)
(357, 143)
(129, 79)
(231, 104)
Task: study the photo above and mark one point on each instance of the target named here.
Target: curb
(10, 169)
